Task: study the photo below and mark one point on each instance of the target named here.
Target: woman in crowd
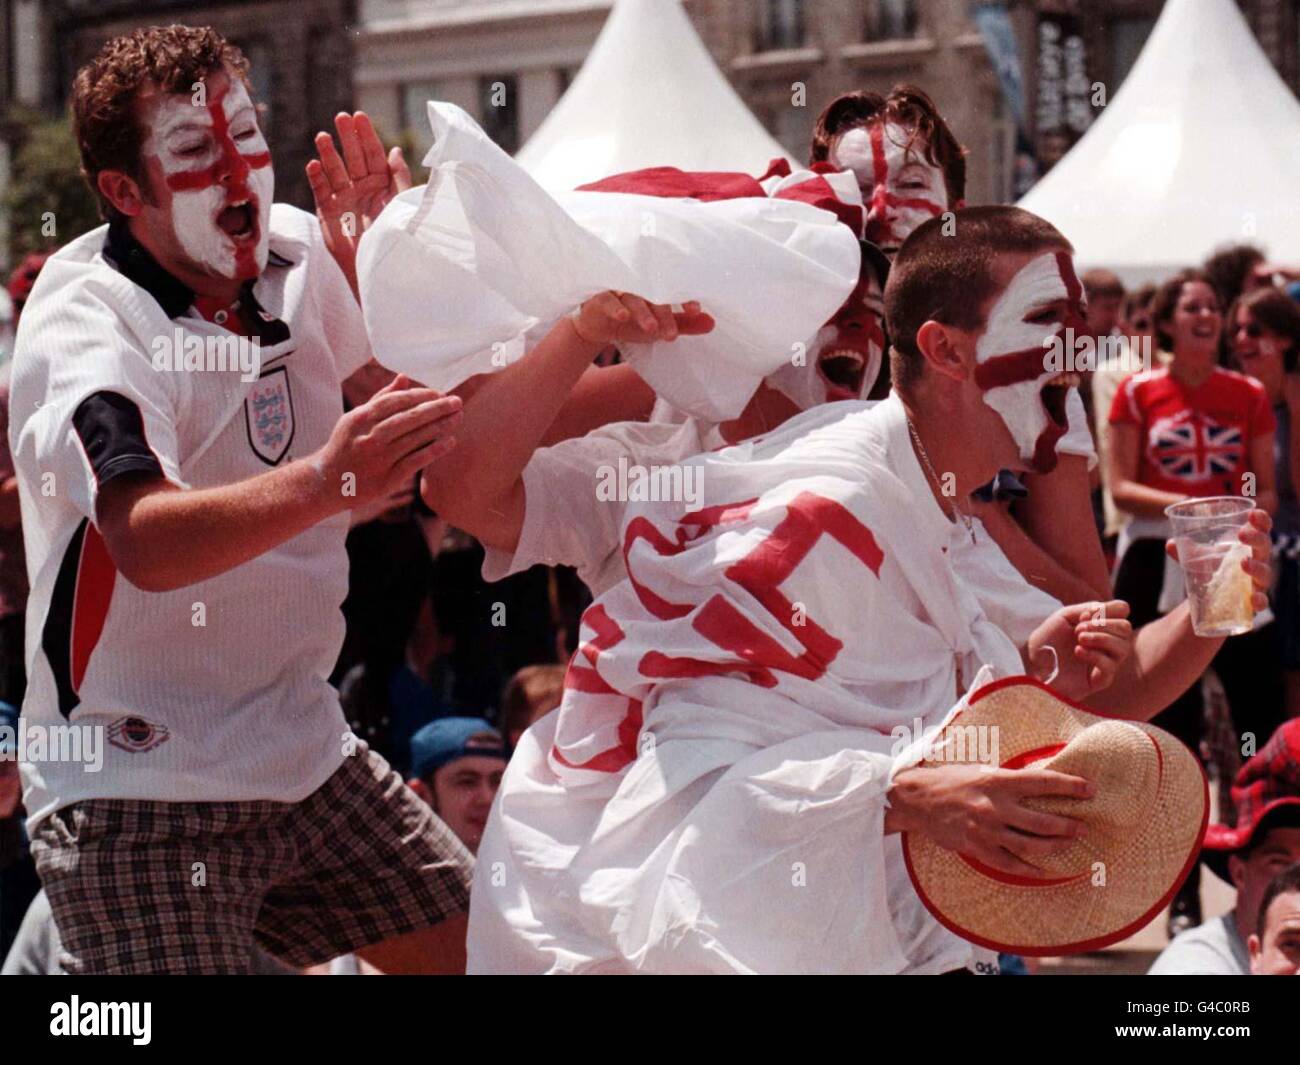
(1264, 338)
(1185, 429)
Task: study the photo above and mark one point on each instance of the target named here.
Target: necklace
(929, 466)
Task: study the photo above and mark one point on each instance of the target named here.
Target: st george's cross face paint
(1031, 316)
(844, 359)
(214, 165)
(900, 188)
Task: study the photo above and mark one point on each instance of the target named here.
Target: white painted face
(900, 188)
(844, 358)
(216, 169)
(1042, 300)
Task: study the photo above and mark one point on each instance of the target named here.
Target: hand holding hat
(1144, 816)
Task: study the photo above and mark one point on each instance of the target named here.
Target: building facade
(527, 51)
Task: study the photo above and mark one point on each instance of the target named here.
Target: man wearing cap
(456, 767)
(1275, 949)
(1264, 841)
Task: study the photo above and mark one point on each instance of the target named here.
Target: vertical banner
(1064, 108)
(1000, 42)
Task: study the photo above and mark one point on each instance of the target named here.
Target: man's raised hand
(621, 318)
(352, 188)
(1088, 643)
(378, 448)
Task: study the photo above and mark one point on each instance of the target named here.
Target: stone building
(464, 50)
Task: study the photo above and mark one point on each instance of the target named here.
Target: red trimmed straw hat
(1268, 782)
(1145, 825)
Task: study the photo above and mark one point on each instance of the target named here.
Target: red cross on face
(899, 186)
(210, 164)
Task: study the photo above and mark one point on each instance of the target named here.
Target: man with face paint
(768, 634)
(910, 169)
(186, 473)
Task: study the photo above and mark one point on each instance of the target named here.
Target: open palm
(352, 184)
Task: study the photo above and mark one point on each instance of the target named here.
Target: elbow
(143, 568)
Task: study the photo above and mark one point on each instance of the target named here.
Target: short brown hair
(1098, 283)
(171, 58)
(1228, 269)
(947, 276)
(910, 108)
(1166, 300)
(531, 693)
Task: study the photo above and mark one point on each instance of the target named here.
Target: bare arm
(1130, 495)
(508, 414)
(1058, 519)
(1032, 562)
(1168, 657)
(603, 394)
(161, 537)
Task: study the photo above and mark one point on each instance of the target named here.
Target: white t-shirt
(217, 691)
(1214, 948)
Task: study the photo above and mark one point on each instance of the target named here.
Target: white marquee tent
(1199, 148)
(649, 94)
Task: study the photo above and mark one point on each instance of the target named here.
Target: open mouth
(238, 220)
(843, 369)
(1054, 393)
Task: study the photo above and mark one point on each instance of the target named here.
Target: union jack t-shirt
(1194, 441)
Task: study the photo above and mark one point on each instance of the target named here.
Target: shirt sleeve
(575, 498)
(340, 313)
(101, 409)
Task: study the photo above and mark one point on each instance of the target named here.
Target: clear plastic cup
(1219, 591)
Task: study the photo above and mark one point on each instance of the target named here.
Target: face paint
(844, 358)
(215, 165)
(1012, 353)
(900, 188)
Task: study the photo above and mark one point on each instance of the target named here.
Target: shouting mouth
(1054, 395)
(843, 370)
(239, 221)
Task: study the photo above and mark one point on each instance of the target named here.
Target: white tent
(649, 94)
(1200, 147)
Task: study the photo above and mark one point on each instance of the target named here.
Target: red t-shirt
(1194, 441)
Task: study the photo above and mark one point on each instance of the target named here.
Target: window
(1127, 38)
(889, 20)
(780, 25)
(498, 107)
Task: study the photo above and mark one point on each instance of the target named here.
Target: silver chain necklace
(925, 458)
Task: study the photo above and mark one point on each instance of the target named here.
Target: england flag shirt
(216, 691)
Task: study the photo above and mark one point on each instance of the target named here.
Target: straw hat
(1145, 825)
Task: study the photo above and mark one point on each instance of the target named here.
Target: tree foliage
(47, 202)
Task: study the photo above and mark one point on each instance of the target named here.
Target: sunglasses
(1253, 330)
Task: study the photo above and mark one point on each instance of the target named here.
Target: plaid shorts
(142, 886)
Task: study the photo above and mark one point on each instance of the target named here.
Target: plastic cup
(1219, 591)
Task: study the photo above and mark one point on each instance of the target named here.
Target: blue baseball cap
(449, 738)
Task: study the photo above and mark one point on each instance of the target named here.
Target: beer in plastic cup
(1219, 591)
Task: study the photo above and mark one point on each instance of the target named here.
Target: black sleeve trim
(111, 430)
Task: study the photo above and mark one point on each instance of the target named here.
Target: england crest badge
(268, 412)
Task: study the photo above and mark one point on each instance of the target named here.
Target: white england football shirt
(217, 691)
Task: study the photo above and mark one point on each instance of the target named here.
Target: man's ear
(1253, 945)
(1236, 871)
(121, 190)
(937, 344)
(421, 789)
